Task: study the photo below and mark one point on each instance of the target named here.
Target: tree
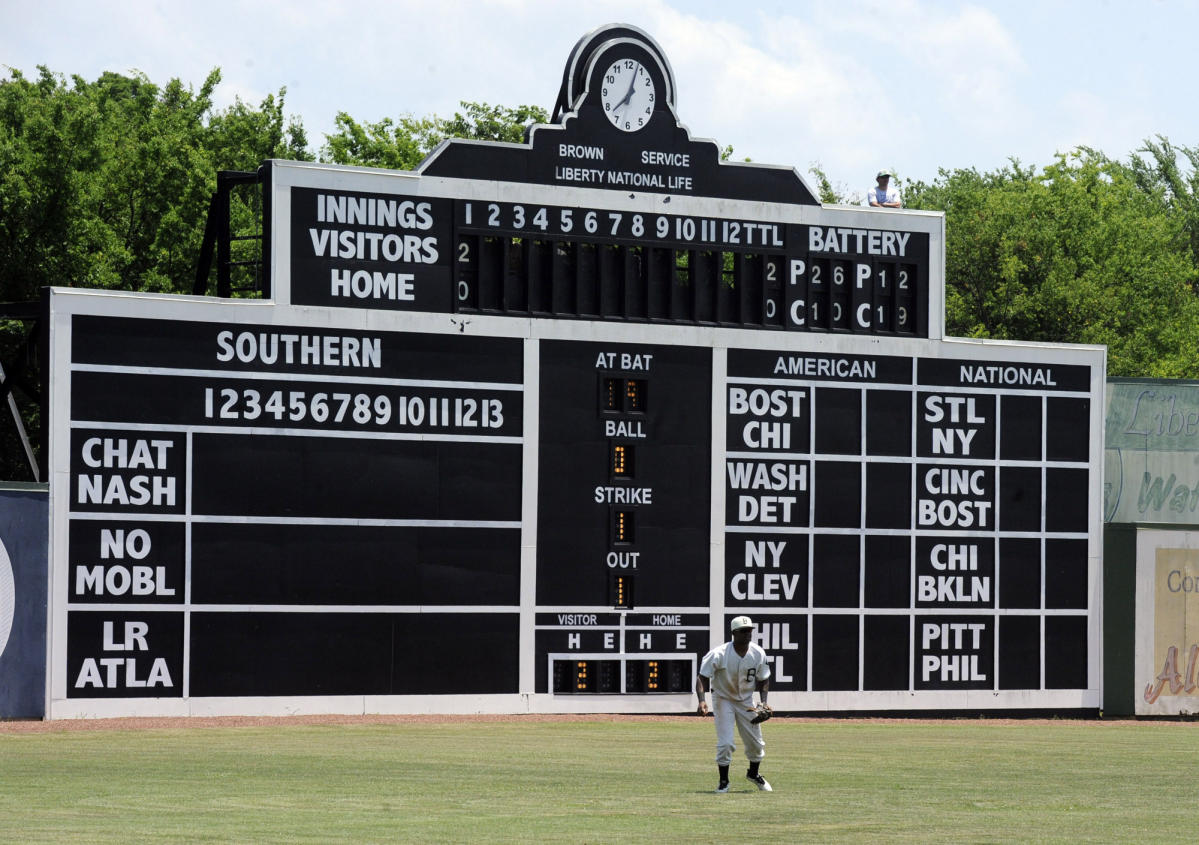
(402, 144)
(825, 192)
(106, 184)
(1077, 252)
(1161, 177)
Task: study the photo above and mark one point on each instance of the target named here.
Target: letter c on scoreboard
(8, 597)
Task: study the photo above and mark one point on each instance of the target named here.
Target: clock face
(628, 95)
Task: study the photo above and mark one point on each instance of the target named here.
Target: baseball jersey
(735, 677)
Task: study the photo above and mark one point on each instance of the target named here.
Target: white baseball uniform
(733, 679)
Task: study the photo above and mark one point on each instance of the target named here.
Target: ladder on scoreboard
(218, 233)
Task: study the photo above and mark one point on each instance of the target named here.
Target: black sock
(753, 769)
(724, 773)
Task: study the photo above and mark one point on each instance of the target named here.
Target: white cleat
(723, 787)
(760, 782)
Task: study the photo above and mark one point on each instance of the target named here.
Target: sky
(852, 86)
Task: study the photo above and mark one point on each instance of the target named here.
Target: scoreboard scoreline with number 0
(556, 412)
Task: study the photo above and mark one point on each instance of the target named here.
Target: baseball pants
(727, 714)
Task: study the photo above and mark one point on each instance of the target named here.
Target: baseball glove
(761, 713)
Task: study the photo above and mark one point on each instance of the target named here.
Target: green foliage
(825, 192)
(1161, 177)
(1078, 252)
(402, 144)
(106, 184)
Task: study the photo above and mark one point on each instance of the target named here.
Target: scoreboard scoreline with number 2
(556, 412)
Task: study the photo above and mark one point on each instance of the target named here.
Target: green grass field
(603, 781)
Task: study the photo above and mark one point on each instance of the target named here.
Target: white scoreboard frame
(65, 303)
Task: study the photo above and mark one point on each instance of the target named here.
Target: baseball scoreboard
(520, 431)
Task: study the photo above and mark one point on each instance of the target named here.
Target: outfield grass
(603, 781)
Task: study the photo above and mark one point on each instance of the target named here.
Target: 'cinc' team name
(304, 349)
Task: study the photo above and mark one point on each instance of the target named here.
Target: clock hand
(628, 95)
(632, 85)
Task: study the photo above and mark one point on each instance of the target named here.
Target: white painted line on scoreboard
(353, 608)
(110, 607)
(902, 459)
(904, 532)
(616, 626)
(259, 375)
(296, 432)
(298, 520)
(987, 390)
(189, 470)
(552, 609)
(913, 529)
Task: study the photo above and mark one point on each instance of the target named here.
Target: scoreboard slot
(772, 290)
(623, 462)
(747, 280)
(883, 288)
(728, 300)
(603, 675)
(539, 261)
(659, 278)
(516, 277)
(839, 295)
(861, 312)
(907, 320)
(587, 280)
(493, 262)
(682, 298)
(624, 526)
(636, 294)
(612, 276)
(564, 295)
(818, 295)
(705, 273)
(467, 294)
(620, 590)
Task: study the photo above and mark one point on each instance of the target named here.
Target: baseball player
(733, 670)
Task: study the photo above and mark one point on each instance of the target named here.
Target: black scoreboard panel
(511, 258)
(907, 524)
(346, 503)
(837, 271)
(624, 474)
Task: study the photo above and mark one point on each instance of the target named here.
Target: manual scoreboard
(522, 430)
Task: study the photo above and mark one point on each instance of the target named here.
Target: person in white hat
(733, 670)
(884, 194)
